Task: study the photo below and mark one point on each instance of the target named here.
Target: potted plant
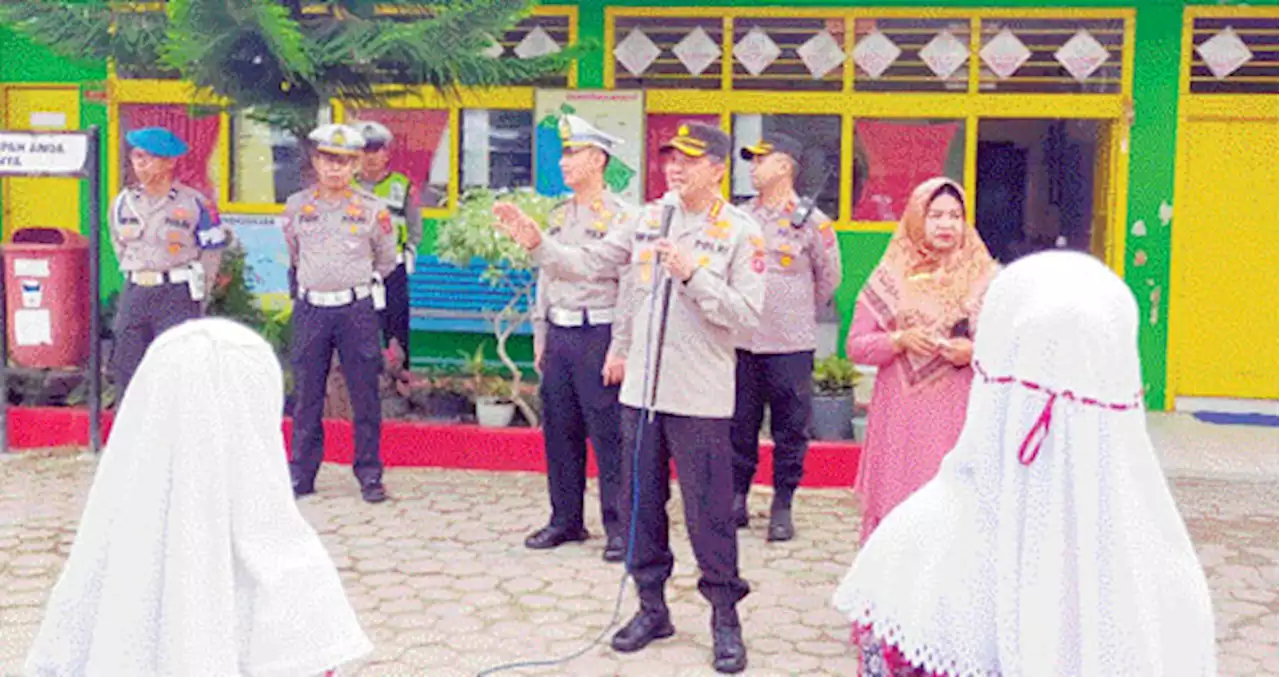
(834, 379)
(495, 403)
(493, 396)
(469, 235)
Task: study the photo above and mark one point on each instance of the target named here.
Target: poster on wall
(266, 256)
(620, 114)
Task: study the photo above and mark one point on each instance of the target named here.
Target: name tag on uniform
(703, 245)
(176, 223)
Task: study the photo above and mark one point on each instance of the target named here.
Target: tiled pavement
(444, 586)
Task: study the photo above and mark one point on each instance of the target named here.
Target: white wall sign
(31, 267)
(48, 120)
(26, 153)
(33, 327)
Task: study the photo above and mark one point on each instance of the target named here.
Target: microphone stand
(668, 212)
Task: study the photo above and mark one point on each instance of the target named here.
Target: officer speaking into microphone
(396, 190)
(775, 362)
(573, 322)
(694, 282)
(169, 242)
(342, 244)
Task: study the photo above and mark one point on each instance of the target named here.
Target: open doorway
(1041, 184)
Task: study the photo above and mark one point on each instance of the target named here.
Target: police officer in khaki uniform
(714, 258)
(342, 244)
(775, 362)
(396, 190)
(573, 323)
(169, 242)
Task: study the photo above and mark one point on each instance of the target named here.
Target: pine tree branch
(89, 32)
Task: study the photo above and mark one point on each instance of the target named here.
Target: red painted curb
(424, 445)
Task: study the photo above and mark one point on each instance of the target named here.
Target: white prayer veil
(191, 558)
(1049, 543)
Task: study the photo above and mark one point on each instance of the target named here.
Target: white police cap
(578, 133)
(374, 133)
(337, 139)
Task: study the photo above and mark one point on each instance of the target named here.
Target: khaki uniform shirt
(578, 225)
(166, 233)
(338, 245)
(802, 273)
(720, 301)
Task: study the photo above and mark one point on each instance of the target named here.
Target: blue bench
(449, 299)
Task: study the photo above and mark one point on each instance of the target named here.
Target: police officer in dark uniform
(169, 242)
(775, 361)
(396, 190)
(572, 339)
(713, 257)
(342, 244)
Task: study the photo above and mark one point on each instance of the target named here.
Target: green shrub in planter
(470, 235)
(834, 379)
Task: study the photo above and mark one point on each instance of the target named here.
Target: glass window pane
(496, 148)
(892, 157)
(420, 149)
(819, 173)
(267, 164)
(199, 167)
(659, 128)
(1036, 184)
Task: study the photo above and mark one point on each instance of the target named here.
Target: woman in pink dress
(914, 322)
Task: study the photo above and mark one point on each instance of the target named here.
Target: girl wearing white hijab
(191, 558)
(1048, 544)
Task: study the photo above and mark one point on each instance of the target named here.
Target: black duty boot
(730, 653)
(652, 622)
(780, 526)
(740, 510)
(373, 492)
(552, 536)
(615, 548)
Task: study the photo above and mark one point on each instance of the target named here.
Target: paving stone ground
(445, 588)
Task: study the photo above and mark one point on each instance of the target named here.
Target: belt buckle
(568, 318)
(148, 278)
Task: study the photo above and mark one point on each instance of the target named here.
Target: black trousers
(145, 313)
(395, 317)
(700, 449)
(579, 406)
(352, 330)
(784, 382)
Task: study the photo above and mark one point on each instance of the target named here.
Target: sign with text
(35, 154)
(619, 114)
(266, 256)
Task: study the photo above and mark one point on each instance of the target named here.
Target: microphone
(668, 202)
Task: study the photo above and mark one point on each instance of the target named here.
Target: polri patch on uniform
(384, 220)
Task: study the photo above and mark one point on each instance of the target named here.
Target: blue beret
(158, 141)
